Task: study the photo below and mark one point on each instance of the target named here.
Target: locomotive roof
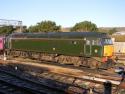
(60, 35)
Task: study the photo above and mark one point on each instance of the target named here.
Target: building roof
(59, 35)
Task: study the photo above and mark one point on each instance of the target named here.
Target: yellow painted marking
(108, 50)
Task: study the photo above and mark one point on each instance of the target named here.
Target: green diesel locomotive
(92, 49)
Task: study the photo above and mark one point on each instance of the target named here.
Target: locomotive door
(87, 47)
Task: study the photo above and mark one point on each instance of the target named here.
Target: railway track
(69, 88)
(10, 82)
(62, 86)
(8, 88)
(99, 71)
(55, 87)
(86, 70)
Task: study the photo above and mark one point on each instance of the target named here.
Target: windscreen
(107, 41)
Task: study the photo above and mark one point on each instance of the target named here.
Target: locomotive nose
(108, 50)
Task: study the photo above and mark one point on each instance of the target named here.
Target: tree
(24, 29)
(33, 29)
(84, 26)
(6, 30)
(111, 31)
(45, 26)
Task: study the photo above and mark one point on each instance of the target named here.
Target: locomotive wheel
(77, 64)
(93, 64)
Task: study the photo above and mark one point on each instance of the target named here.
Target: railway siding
(75, 78)
(80, 74)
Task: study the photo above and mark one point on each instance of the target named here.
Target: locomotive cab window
(107, 41)
(96, 42)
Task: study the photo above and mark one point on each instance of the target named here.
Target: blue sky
(104, 13)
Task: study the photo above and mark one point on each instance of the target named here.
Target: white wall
(119, 47)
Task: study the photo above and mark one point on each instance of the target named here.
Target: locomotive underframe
(62, 59)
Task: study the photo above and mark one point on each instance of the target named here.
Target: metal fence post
(107, 87)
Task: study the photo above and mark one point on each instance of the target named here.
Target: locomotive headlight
(96, 50)
(54, 49)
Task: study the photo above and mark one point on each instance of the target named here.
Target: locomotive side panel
(74, 47)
